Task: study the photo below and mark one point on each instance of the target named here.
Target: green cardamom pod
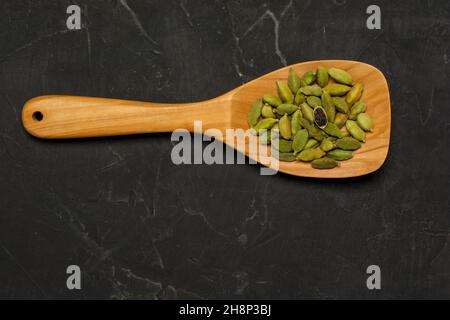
(299, 98)
(286, 157)
(300, 140)
(332, 130)
(324, 163)
(267, 112)
(341, 104)
(311, 143)
(348, 143)
(309, 155)
(354, 94)
(328, 106)
(340, 76)
(316, 133)
(322, 76)
(314, 101)
(295, 123)
(286, 108)
(336, 89)
(340, 155)
(307, 112)
(309, 78)
(284, 146)
(285, 127)
(265, 124)
(304, 122)
(274, 101)
(284, 92)
(313, 90)
(293, 81)
(355, 131)
(340, 119)
(358, 107)
(327, 144)
(365, 122)
(254, 113)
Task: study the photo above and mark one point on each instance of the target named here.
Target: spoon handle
(63, 117)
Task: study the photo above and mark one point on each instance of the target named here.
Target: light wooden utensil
(64, 117)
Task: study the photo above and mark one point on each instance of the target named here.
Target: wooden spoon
(63, 117)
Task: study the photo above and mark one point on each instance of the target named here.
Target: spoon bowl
(64, 117)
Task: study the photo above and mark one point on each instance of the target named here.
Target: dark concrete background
(141, 227)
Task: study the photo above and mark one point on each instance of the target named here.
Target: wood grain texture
(81, 117)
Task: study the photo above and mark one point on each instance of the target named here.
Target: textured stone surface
(141, 227)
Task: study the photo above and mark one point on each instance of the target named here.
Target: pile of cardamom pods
(320, 118)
